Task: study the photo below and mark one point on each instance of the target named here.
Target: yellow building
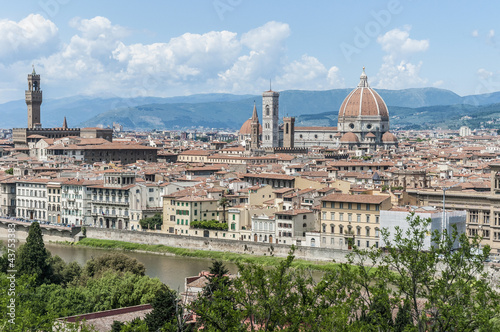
(348, 220)
(179, 212)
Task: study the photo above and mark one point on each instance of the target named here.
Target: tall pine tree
(33, 257)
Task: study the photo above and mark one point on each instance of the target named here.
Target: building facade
(348, 220)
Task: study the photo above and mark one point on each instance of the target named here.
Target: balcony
(109, 215)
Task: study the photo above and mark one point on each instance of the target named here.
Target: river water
(171, 270)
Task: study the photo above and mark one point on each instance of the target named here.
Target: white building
(263, 228)
(75, 203)
(32, 199)
(396, 217)
(145, 201)
(465, 131)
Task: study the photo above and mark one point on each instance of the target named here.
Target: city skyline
(172, 49)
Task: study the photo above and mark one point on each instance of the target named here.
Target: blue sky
(170, 48)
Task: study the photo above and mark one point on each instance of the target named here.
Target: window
(359, 206)
(324, 228)
(333, 205)
(358, 218)
(324, 204)
(358, 231)
(332, 215)
(473, 216)
(368, 231)
(367, 207)
(332, 228)
(368, 244)
(349, 206)
(486, 217)
(349, 217)
(323, 215)
(341, 205)
(367, 218)
(377, 232)
(497, 218)
(377, 219)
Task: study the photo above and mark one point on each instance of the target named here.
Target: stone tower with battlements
(33, 98)
(288, 132)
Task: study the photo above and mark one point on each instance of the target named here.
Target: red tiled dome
(389, 137)
(363, 101)
(349, 138)
(246, 128)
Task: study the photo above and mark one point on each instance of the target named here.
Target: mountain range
(417, 108)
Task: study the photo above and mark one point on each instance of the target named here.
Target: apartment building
(8, 196)
(32, 198)
(110, 203)
(348, 220)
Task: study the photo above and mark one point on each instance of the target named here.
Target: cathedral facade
(363, 124)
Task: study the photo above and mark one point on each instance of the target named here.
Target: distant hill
(230, 111)
(430, 117)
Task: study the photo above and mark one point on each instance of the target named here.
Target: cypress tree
(33, 257)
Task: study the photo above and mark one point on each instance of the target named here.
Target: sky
(169, 48)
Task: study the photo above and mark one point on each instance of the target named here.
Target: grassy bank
(224, 256)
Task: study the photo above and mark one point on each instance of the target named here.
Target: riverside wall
(49, 233)
(212, 244)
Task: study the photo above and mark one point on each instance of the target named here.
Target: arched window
(267, 109)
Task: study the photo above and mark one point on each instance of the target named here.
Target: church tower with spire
(33, 98)
(254, 130)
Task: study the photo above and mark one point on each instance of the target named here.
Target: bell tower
(33, 98)
(270, 118)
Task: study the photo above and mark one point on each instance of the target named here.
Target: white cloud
(475, 33)
(491, 33)
(484, 74)
(33, 35)
(97, 60)
(438, 83)
(397, 71)
(398, 42)
(307, 73)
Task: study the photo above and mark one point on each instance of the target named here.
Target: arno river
(171, 270)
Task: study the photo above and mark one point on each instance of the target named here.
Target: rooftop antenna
(270, 85)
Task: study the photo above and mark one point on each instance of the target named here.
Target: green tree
(451, 293)
(117, 326)
(224, 203)
(113, 262)
(136, 325)
(64, 273)
(33, 257)
(403, 319)
(166, 313)
(10, 171)
(154, 222)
